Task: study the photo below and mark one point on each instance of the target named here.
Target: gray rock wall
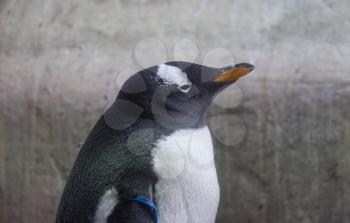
(282, 134)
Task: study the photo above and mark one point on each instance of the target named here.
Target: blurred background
(282, 134)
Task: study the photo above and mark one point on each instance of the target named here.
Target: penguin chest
(187, 189)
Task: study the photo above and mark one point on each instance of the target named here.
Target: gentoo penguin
(149, 158)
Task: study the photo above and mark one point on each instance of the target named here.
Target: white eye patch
(174, 75)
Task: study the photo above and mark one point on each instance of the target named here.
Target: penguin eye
(185, 87)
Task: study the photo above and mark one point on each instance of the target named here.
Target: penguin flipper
(135, 190)
(130, 212)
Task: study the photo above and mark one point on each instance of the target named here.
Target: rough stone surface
(59, 69)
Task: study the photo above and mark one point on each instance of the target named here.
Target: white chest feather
(187, 190)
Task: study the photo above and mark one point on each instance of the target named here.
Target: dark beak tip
(245, 65)
(239, 65)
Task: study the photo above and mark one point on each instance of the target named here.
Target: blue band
(144, 201)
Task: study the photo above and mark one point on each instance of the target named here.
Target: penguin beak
(233, 73)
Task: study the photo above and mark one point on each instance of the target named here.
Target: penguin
(149, 158)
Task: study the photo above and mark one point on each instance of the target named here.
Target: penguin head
(176, 94)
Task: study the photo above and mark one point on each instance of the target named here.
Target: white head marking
(172, 75)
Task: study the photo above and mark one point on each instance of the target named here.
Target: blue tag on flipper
(144, 201)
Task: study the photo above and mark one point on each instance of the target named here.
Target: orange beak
(233, 73)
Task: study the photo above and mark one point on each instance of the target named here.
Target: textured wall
(282, 134)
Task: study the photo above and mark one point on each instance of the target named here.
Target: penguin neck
(157, 130)
(160, 115)
(104, 134)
